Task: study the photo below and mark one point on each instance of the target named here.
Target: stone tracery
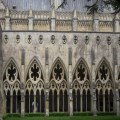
(58, 88)
(34, 88)
(104, 88)
(81, 88)
(11, 84)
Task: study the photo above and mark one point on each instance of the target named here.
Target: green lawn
(66, 118)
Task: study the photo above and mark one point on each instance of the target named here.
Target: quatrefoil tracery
(103, 73)
(81, 77)
(34, 72)
(11, 73)
(58, 72)
(81, 73)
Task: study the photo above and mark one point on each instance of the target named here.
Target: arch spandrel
(11, 77)
(37, 62)
(11, 71)
(104, 73)
(34, 76)
(58, 74)
(81, 72)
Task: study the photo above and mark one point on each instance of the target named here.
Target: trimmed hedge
(105, 113)
(82, 114)
(60, 114)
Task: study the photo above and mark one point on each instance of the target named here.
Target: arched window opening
(81, 81)
(65, 101)
(50, 101)
(111, 101)
(42, 101)
(11, 83)
(31, 101)
(74, 101)
(14, 102)
(78, 100)
(84, 101)
(35, 87)
(38, 101)
(106, 101)
(27, 102)
(55, 101)
(88, 101)
(104, 87)
(8, 105)
(61, 101)
(58, 97)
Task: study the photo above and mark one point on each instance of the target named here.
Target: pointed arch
(81, 82)
(58, 83)
(104, 86)
(60, 61)
(119, 74)
(82, 61)
(11, 60)
(35, 60)
(105, 62)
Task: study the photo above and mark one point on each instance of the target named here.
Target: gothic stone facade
(59, 62)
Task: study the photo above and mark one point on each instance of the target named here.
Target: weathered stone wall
(12, 47)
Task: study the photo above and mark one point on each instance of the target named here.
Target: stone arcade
(58, 61)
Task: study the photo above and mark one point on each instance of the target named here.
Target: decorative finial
(30, 12)
(7, 12)
(75, 14)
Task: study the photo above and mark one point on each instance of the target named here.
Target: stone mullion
(63, 101)
(109, 102)
(29, 102)
(40, 101)
(16, 103)
(98, 104)
(58, 102)
(81, 107)
(53, 101)
(11, 104)
(80, 102)
(76, 99)
(103, 102)
(86, 101)
(34, 103)
(118, 102)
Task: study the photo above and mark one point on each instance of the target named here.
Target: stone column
(35, 103)
(1, 104)
(70, 102)
(70, 83)
(75, 20)
(94, 109)
(96, 23)
(2, 99)
(118, 103)
(22, 82)
(30, 19)
(7, 20)
(93, 86)
(11, 103)
(46, 82)
(53, 21)
(22, 101)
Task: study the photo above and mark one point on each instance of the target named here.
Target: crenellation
(68, 20)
